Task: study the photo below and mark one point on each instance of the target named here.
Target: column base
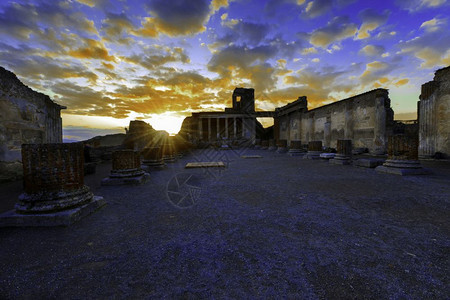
(272, 148)
(62, 218)
(136, 180)
(368, 162)
(312, 155)
(402, 167)
(169, 159)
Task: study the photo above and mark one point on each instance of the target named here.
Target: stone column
(314, 150)
(152, 157)
(379, 143)
(282, 146)
(226, 128)
(126, 169)
(243, 128)
(402, 156)
(54, 190)
(295, 149)
(235, 128)
(209, 129)
(344, 153)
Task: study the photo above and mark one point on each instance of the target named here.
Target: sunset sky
(112, 61)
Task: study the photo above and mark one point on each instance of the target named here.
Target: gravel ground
(270, 227)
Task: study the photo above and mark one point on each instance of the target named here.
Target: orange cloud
(93, 50)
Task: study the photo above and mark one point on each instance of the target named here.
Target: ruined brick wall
(434, 115)
(365, 119)
(26, 116)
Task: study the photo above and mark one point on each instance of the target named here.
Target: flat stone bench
(208, 164)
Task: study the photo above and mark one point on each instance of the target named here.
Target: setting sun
(167, 122)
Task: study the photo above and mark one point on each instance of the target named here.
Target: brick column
(296, 148)
(344, 153)
(314, 150)
(152, 157)
(126, 169)
(53, 177)
(403, 156)
(54, 190)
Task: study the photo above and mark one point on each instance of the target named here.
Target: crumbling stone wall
(365, 119)
(26, 117)
(434, 115)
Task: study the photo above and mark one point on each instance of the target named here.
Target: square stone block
(403, 171)
(61, 218)
(208, 164)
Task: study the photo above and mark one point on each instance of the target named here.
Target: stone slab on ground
(368, 162)
(403, 171)
(206, 164)
(62, 218)
(135, 180)
(251, 156)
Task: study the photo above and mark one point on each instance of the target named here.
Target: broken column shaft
(344, 153)
(314, 150)
(54, 190)
(403, 156)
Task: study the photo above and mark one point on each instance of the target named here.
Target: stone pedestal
(54, 190)
(126, 169)
(296, 149)
(152, 157)
(272, 145)
(344, 153)
(282, 146)
(314, 150)
(402, 157)
(264, 144)
(369, 162)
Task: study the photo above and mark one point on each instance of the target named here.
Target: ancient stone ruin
(434, 116)
(54, 190)
(314, 150)
(26, 117)
(126, 169)
(403, 158)
(344, 153)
